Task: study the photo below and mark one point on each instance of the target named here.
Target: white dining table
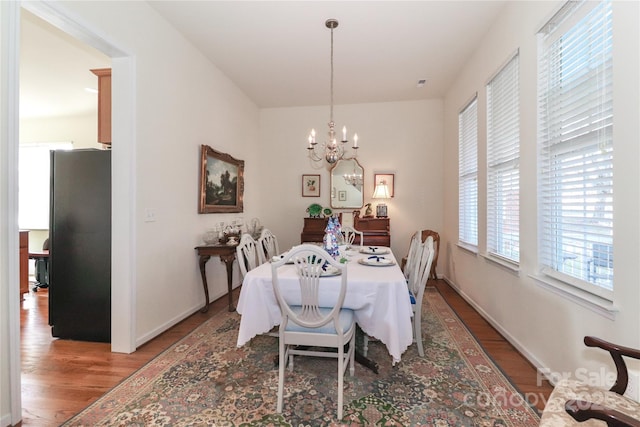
(378, 295)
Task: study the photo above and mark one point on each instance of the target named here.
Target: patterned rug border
(466, 345)
(506, 377)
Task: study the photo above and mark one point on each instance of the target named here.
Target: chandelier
(331, 150)
(354, 179)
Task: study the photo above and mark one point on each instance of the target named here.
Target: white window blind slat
(575, 172)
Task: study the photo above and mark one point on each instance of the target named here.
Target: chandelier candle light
(331, 150)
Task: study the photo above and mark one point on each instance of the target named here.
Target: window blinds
(468, 174)
(575, 140)
(503, 155)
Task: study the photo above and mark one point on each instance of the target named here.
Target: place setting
(374, 250)
(376, 261)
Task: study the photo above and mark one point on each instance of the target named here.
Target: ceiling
(278, 52)
(55, 71)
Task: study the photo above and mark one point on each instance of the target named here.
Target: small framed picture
(310, 185)
(342, 195)
(387, 178)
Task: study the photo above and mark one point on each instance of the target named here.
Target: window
(503, 156)
(33, 183)
(575, 146)
(468, 175)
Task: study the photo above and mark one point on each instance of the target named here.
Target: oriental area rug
(205, 380)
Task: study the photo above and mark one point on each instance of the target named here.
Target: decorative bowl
(210, 237)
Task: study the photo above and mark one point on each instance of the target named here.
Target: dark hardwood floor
(61, 377)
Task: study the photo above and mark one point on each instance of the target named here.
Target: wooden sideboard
(376, 231)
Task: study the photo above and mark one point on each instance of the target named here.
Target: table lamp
(381, 192)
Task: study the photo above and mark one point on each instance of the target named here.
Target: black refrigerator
(80, 245)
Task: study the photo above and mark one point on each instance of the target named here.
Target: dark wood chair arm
(582, 411)
(616, 351)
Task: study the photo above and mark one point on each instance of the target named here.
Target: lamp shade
(381, 191)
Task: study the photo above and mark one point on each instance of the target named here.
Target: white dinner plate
(374, 250)
(377, 261)
(330, 271)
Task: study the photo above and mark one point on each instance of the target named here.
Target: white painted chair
(417, 282)
(267, 245)
(350, 235)
(247, 254)
(415, 244)
(309, 324)
(417, 269)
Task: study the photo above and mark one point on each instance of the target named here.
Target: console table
(376, 231)
(227, 254)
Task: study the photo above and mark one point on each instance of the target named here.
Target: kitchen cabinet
(104, 104)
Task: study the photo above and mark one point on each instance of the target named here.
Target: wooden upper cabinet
(104, 104)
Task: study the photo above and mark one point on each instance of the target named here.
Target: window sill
(511, 267)
(468, 248)
(585, 299)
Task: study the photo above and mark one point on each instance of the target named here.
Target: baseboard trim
(177, 319)
(496, 325)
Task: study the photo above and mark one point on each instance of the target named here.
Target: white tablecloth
(378, 296)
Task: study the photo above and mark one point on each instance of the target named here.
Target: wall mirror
(347, 184)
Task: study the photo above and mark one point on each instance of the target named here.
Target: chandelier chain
(331, 108)
(332, 149)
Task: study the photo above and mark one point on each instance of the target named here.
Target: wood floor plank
(62, 377)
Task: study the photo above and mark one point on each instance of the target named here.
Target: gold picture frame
(221, 182)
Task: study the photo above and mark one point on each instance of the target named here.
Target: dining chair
(406, 266)
(247, 254)
(417, 266)
(307, 323)
(267, 245)
(436, 247)
(350, 235)
(417, 282)
(409, 260)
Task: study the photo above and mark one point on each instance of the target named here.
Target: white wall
(404, 138)
(546, 327)
(82, 130)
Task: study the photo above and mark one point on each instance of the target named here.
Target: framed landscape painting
(221, 182)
